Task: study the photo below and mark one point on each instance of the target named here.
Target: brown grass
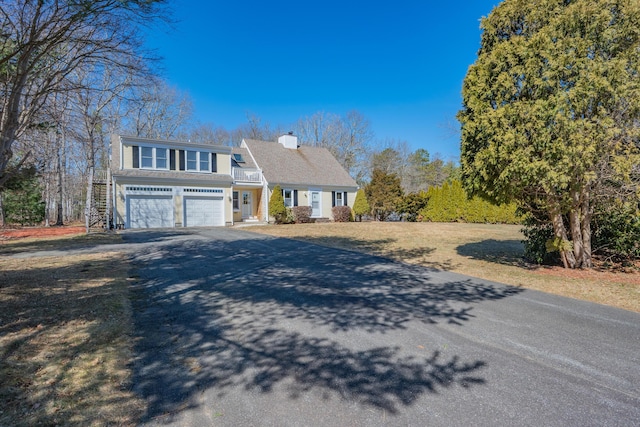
(64, 341)
(492, 252)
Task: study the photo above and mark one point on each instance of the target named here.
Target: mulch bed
(24, 232)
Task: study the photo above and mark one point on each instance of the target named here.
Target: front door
(316, 208)
(247, 205)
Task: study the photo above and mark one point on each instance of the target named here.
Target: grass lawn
(488, 251)
(64, 336)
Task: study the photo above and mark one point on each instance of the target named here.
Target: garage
(203, 211)
(150, 211)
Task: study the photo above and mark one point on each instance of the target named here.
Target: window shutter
(344, 198)
(172, 160)
(214, 162)
(136, 156)
(181, 155)
(333, 198)
(295, 197)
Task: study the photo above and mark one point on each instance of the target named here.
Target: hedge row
(449, 203)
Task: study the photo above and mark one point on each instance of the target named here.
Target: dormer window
(238, 158)
(153, 157)
(198, 161)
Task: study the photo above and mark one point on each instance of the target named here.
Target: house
(159, 183)
(308, 176)
(163, 183)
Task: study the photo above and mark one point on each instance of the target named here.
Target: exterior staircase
(98, 213)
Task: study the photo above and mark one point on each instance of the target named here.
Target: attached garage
(150, 211)
(203, 211)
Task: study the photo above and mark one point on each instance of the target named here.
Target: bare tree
(43, 42)
(256, 129)
(100, 88)
(159, 110)
(348, 138)
(208, 133)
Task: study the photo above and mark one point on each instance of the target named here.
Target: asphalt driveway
(240, 329)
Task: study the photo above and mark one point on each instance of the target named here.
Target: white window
(236, 201)
(153, 157)
(161, 158)
(288, 197)
(204, 161)
(192, 160)
(198, 161)
(339, 201)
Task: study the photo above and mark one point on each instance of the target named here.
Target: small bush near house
(277, 209)
(301, 214)
(341, 213)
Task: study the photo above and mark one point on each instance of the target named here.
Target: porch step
(321, 220)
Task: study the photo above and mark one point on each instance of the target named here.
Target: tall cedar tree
(551, 108)
(384, 192)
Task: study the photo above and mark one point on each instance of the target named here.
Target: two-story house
(160, 183)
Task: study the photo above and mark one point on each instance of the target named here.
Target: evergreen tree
(384, 192)
(361, 205)
(551, 111)
(277, 209)
(22, 201)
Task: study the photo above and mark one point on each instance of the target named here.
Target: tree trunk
(575, 223)
(560, 231)
(2, 219)
(580, 218)
(60, 201)
(586, 229)
(87, 208)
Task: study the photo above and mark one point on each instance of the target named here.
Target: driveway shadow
(269, 314)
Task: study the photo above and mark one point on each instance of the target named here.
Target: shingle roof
(248, 161)
(304, 166)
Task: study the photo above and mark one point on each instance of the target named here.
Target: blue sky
(401, 64)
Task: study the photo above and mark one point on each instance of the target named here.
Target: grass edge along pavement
(65, 327)
(488, 251)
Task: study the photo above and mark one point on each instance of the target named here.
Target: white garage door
(203, 211)
(150, 211)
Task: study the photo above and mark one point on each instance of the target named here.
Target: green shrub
(615, 232)
(22, 203)
(361, 205)
(277, 209)
(341, 213)
(537, 234)
(412, 204)
(450, 203)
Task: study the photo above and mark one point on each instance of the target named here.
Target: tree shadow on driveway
(269, 314)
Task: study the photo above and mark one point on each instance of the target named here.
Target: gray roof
(248, 161)
(312, 166)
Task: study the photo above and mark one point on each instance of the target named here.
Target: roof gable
(302, 166)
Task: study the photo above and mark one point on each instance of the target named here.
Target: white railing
(247, 175)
